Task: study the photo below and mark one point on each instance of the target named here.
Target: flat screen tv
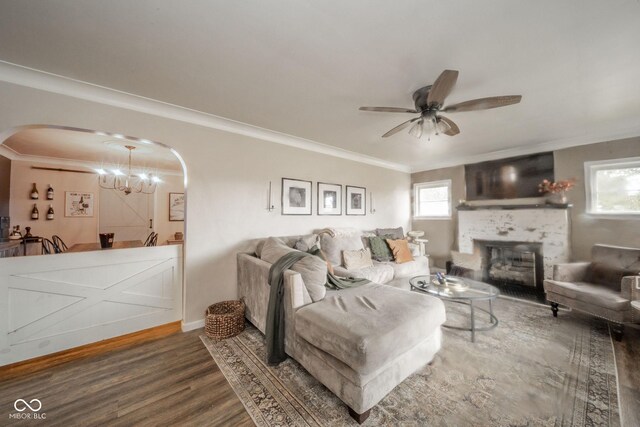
(511, 178)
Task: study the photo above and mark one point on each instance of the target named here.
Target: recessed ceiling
(90, 148)
(304, 68)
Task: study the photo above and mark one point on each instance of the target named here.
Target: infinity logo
(26, 405)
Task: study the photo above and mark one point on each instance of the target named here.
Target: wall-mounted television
(511, 178)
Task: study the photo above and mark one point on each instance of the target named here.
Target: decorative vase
(559, 198)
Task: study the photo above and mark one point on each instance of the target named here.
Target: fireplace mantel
(466, 207)
(549, 226)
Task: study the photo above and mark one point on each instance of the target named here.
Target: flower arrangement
(557, 187)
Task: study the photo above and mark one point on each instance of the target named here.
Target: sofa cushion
(355, 260)
(379, 249)
(306, 243)
(419, 266)
(607, 275)
(333, 246)
(391, 233)
(378, 273)
(627, 259)
(369, 326)
(589, 293)
(312, 268)
(401, 251)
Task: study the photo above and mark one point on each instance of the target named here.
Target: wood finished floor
(174, 381)
(171, 381)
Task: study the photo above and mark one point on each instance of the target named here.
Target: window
(613, 186)
(432, 199)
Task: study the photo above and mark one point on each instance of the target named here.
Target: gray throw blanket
(275, 310)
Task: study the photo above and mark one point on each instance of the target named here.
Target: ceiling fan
(429, 103)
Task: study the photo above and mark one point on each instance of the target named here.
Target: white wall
(228, 176)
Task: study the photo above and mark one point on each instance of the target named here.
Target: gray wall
(441, 232)
(586, 230)
(5, 185)
(228, 176)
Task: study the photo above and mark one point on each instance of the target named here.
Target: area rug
(532, 370)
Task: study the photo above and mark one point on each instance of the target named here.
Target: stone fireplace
(524, 242)
(512, 263)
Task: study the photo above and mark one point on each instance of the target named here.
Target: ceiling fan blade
(388, 109)
(453, 128)
(400, 127)
(442, 87)
(483, 103)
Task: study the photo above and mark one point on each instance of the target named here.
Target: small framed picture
(356, 200)
(78, 204)
(329, 199)
(176, 206)
(296, 197)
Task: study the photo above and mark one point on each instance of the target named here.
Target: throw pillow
(312, 269)
(606, 275)
(334, 246)
(305, 243)
(355, 260)
(468, 261)
(401, 251)
(379, 249)
(395, 233)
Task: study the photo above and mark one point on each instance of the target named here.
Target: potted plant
(556, 190)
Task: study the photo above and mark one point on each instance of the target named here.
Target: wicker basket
(224, 319)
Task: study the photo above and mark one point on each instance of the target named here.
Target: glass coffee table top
(457, 288)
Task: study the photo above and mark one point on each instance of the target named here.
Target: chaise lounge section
(359, 342)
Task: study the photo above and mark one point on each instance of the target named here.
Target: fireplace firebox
(516, 265)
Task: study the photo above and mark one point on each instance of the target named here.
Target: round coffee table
(463, 291)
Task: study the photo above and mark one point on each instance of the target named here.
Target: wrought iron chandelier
(128, 183)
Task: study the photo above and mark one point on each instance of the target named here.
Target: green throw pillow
(379, 249)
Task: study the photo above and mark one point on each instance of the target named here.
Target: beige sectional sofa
(359, 342)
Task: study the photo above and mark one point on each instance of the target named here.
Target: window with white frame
(432, 199)
(613, 186)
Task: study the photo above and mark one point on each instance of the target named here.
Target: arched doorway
(66, 297)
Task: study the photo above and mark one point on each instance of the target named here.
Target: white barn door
(129, 217)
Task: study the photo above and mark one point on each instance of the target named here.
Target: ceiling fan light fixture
(417, 129)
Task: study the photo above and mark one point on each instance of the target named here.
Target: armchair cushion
(607, 275)
(571, 272)
(589, 293)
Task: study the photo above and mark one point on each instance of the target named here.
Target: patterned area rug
(532, 370)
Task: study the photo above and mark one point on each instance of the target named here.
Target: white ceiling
(303, 68)
(91, 149)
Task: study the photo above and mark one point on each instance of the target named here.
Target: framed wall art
(176, 206)
(329, 199)
(356, 200)
(296, 197)
(78, 204)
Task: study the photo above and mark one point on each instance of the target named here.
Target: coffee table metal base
(493, 320)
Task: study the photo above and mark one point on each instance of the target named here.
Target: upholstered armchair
(603, 287)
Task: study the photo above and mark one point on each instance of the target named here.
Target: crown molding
(42, 80)
(13, 155)
(558, 144)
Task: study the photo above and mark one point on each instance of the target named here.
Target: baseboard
(47, 361)
(190, 326)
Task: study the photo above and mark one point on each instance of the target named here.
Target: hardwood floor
(169, 381)
(174, 381)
